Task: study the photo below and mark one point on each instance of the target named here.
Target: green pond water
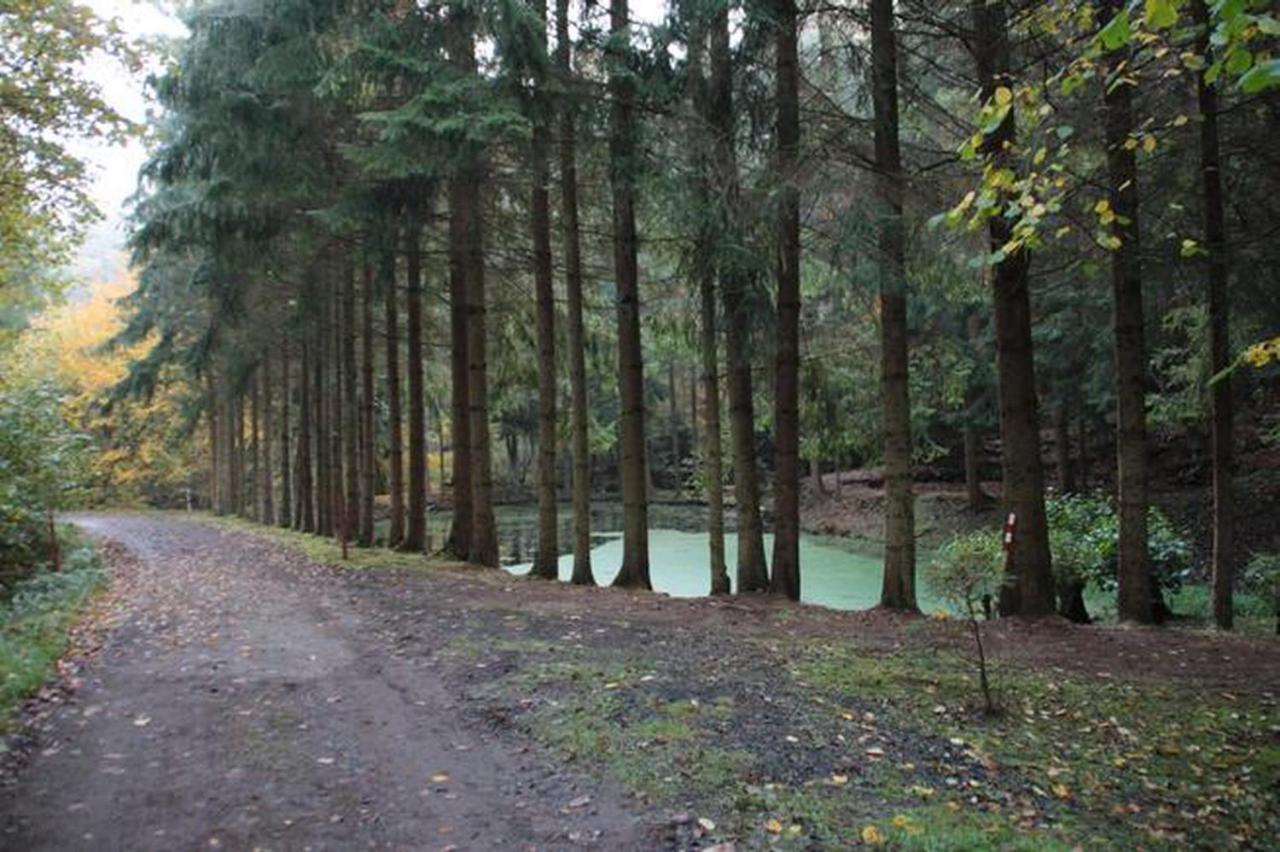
(835, 572)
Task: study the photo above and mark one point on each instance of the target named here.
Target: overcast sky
(114, 168)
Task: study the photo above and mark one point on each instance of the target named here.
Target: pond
(835, 572)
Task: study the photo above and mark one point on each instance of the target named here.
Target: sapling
(964, 573)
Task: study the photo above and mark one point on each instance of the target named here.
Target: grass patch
(323, 549)
(1111, 764)
(1192, 606)
(36, 619)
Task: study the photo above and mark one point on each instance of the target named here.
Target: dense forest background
(811, 265)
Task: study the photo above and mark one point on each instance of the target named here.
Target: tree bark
(1134, 572)
(898, 591)
(350, 407)
(253, 509)
(546, 562)
(467, 186)
(368, 454)
(786, 488)
(460, 533)
(213, 412)
(705, 270)
(267, 478)
(1031, 590)
(395, 455)
(623, 164)
(1215, 231)
(416, 526)
(320, 380)
(306, 499)
(579, 441)
(735, 280)
(673, 426)
(286, 474)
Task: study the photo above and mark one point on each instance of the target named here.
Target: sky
(115, 168)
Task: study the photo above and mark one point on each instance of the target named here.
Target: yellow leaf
(1061, 791)
(901, 821)
(1179, 121)
(1102, 206)
(440, 778)
(773, 826)
(1148, 143)
(1003, 95)
(839, 780)
(871, 835)
(1130, 144)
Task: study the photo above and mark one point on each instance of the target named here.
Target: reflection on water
(834, 573)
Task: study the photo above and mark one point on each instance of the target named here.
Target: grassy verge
(828, 745)
(35, 621)
(323, 549)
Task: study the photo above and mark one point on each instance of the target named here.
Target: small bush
(1085, 535)
(968, 573)
(1262, 578)
(35, 620)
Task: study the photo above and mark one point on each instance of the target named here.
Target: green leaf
(1117, 32)
(1239, 61)
(1263, 76)
(1161, 14)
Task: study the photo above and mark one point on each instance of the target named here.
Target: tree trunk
(395, 456)
(623, 165)
(460, 533)
(546, 560)
(368, 454)
(253, 509)
(213, 412)
(320, 382)
(735, 283)
(704, 265)
(694, 437)
(786, 501)
(582, 574)
(673, 427)
(1215, 231)
(268, 434)
(286, 478)
(306, 502)
(1134, 572)
(415, 534)
(466, 187)
(238, 456)
(899, 588)
(350, 407)
(1031, 590)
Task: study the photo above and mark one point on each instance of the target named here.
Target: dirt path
(248, 699)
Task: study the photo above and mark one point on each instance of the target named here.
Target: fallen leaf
(580, 802)
(440, 777)
(773, 826)
(871, 835)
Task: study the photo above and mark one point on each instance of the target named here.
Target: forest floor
(238, 688)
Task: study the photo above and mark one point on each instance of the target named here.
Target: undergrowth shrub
(35, 619)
